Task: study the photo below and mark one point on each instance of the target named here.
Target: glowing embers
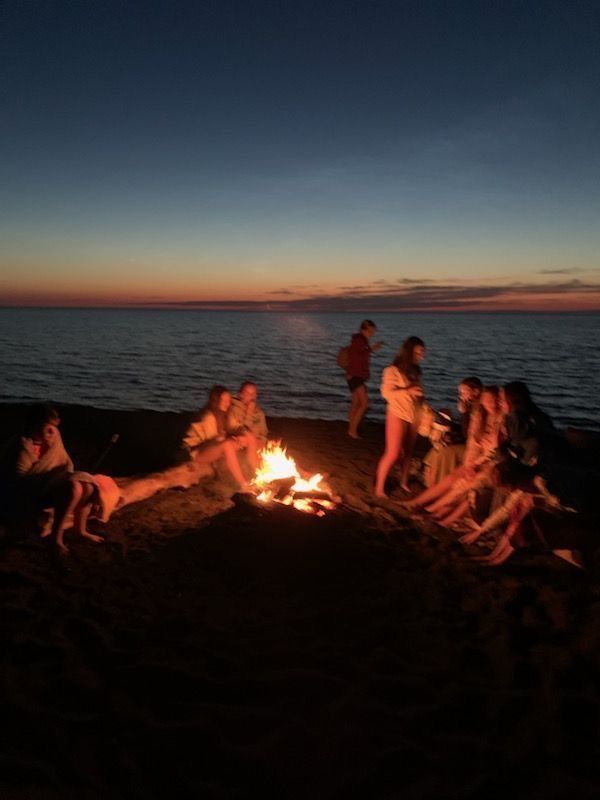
(279, 481)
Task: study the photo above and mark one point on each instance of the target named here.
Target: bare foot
(354, 435)
(409, 504)
(469, 538)
(62, 548)
(91, 536)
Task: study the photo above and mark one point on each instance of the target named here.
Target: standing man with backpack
(358, 372)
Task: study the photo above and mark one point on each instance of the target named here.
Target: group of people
(503, 467)
(40, 488)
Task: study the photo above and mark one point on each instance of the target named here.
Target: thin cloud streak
(424, 297)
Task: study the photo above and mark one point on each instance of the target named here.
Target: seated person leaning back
(208, 439)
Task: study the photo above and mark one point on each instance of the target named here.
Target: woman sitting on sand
(207, 439)
(36, 473)
(442, 460)
(531, 435)
(449, 499)
(401, 388)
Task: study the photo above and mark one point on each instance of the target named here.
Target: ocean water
(168, 359)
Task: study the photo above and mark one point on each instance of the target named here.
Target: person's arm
(472, 447)
(261, 432)
(235, 420)
(394, 383)
(199, 432)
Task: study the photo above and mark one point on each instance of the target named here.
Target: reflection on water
(167, 360)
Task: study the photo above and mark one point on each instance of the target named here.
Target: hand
(415, 391)
(377, 346)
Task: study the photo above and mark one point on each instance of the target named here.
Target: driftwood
(140, 487)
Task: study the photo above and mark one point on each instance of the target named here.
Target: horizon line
(246, 308)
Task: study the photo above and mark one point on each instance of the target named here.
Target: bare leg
(459, 512)
(501, 553)
(251, 444)
(451, 497)
(472, 536)
(64, 508)
(233, 464)
(395, 429)
(82, 512)
(228, 449)
(409, 445)
(358, 408)
(434, 492)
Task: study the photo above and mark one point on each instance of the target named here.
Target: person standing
(401, 389)
(358, 373)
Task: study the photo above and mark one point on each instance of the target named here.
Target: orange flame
(276, 464)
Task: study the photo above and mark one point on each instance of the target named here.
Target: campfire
(279, 481)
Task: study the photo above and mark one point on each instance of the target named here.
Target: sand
(215, 649)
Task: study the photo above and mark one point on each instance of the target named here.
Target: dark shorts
(354, 383)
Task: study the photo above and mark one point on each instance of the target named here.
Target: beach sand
(214, 649)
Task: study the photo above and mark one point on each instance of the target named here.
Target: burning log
(313, 494)
(279, 480)
(281, 487)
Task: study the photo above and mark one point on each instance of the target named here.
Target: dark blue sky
(212, 150)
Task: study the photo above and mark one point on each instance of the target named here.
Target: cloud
(421, 296)
(561, 271)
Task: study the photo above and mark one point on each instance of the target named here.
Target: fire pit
(279, 480)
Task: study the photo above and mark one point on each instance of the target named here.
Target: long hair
(404, 361)
(486, 416)
(473, 383)
(214, 398)
(518, 399)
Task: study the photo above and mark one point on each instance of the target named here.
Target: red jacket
(359, 357)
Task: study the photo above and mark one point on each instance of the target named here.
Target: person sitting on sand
(443, 460)
(449, 499)
(36, 473)
(531, 435)
(402, 391)
(358, 373)
(207, 439)
(246, 416)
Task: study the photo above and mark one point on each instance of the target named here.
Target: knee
(74, 491)
(229, 446)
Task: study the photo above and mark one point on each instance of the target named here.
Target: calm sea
(168, 359)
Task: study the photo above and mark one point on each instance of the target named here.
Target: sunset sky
(342, 155)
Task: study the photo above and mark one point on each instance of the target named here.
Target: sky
(360, 156)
